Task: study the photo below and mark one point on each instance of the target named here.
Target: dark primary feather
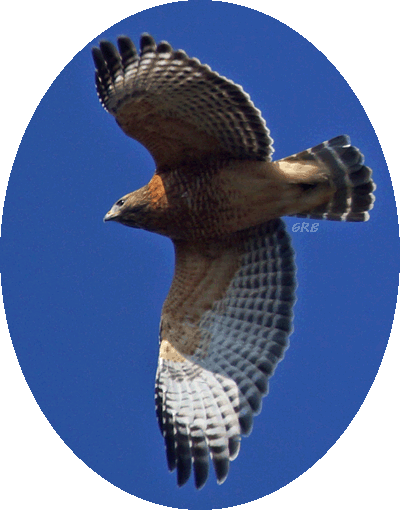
(177, 90)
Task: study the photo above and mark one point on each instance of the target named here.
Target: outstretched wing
(176, 107)
(225, 326)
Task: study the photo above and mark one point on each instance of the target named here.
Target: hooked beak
(111, 215)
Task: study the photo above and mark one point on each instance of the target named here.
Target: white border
(37, 468)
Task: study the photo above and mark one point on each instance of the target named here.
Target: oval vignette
(84, 372)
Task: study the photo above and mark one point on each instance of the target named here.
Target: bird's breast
(216, 201)
(188, 206)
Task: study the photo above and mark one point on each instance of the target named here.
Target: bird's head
(131, 210)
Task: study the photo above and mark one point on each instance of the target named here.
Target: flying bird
(217, 194)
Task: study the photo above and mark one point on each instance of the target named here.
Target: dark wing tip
(183, 454)
(184, 468)
(127, 50)
(108, 49)
(221, 467)
(98, 58)
(200, 456)
(111, 57)
(170, 451)
(147, 44)
(200, 471)
(180, 55)
(246, 421)
(125, 43)
(234, 447)
(164, 47)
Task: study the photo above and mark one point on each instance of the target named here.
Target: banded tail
(344, 164)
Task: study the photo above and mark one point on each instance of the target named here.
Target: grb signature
(305, 227)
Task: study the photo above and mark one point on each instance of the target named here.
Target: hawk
(217, 194)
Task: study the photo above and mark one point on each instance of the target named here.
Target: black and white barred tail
(352, 179)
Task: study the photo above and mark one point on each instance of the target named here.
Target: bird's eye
(120, 202)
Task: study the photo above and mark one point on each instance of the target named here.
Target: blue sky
(83, 298)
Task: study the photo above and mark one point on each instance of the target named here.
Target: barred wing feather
(208, 392)
(178, 108)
